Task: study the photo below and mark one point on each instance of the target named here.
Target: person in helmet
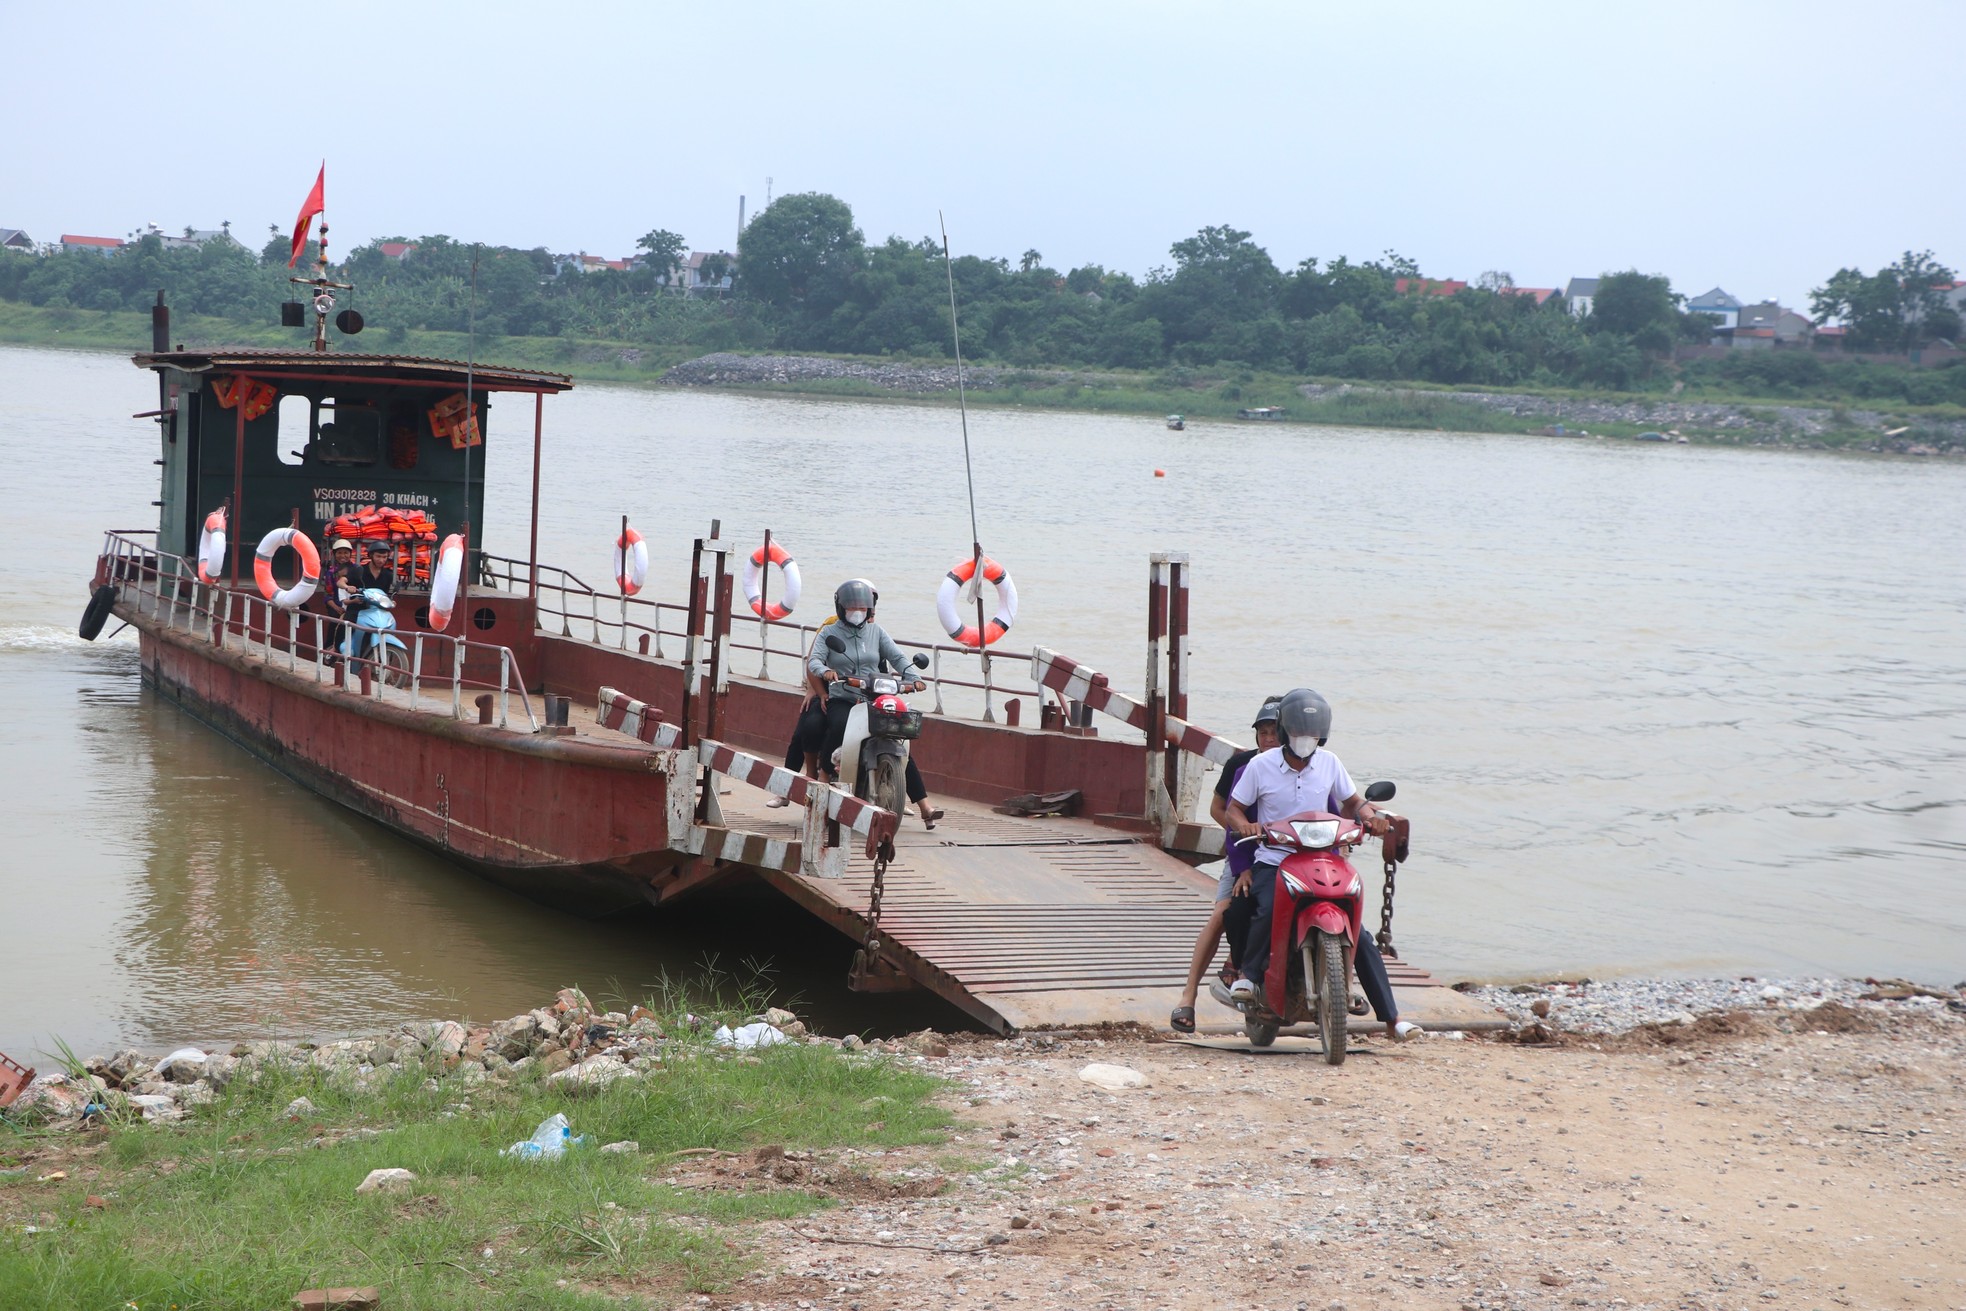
(1295, 776)
(868, 647)
(339, 584)
(1238, 861)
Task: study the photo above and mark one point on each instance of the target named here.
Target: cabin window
(346, 433)
(295, 430)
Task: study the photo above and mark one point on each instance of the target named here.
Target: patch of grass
(241, 1207)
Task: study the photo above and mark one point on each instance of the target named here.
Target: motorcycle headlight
(886, 687)
(1316, 832)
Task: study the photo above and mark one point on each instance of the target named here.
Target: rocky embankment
(1755, 423)
(727, 370)
(569, 1043)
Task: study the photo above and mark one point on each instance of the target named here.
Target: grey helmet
(1267, 714)
(1303, 721)
(855, 594)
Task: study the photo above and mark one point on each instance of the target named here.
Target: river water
(1652, 709)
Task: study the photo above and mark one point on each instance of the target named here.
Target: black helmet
(1267, 714)
(855, 594)
(1303, 719)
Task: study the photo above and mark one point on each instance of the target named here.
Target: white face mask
(1302, 747)
(856, 617)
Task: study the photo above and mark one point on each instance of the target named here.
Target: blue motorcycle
(372, 636)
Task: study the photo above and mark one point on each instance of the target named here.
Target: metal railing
(244, 620)
(578, 611)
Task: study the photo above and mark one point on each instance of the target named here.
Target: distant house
(1954, 292)
(1538, 294)
(1428, 286)
(396, 250)
(104, 246)
(1768, 324)
(1580, 295)
(15, 239)
(693, 279)
(1718, 304)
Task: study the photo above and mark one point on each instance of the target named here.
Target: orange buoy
(1160, 473)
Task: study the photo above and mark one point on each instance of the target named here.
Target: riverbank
(1204, 393)
(1797, 1151)
(1210, 394)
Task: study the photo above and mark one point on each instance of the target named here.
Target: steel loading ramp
(1038, 923)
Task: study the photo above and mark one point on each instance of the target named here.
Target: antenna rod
(962, 399)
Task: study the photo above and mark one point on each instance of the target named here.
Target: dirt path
(1739, 1166)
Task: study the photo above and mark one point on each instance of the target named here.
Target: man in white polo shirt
(1289, 780)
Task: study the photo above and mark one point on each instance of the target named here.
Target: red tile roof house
(396, 250)
(1429, 286)
(100, 245)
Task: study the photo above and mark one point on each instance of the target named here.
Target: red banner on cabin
(308, 209)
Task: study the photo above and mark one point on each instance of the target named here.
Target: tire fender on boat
(631, 562)
(952, 583)
(444, 581)
(287, 598)
(211, 548)
(97, 612)
(754, 579)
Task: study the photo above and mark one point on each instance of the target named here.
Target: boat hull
(570, 824)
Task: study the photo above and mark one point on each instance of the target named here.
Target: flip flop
(1183, 1019)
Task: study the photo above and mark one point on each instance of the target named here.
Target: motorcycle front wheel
(1328, 993)
(1261, 1033)
(890, 790)
(395, 666)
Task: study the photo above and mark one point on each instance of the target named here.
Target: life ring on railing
(444, 580)
(631, 562)
(754, 579)
(211, 547)
(289, 598)
(945, 602)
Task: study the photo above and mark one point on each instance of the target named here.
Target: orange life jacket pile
(413, 533)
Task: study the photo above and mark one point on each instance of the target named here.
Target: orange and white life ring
(631, 562)
(287, 598)
(945, 602)
(211, 548)
(444, 581)
(754, 579)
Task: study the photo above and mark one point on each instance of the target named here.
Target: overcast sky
(1757, 146)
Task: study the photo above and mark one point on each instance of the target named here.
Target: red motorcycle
(1320, 902)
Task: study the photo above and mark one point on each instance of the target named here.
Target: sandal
(1183, 1019)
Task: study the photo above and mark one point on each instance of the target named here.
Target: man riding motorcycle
(1289, 780)
(867, 646)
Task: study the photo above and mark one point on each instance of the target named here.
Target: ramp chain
(866, 960)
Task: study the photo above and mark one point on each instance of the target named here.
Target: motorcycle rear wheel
(1328, 995)
(1261, 1033)
(890, 792)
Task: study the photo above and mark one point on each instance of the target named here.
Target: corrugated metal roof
(410, 368)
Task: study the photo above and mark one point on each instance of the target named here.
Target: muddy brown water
(1653, 710)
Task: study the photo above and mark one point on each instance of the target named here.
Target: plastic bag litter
(751, 1035)
(183, 1055)
(549, 1141)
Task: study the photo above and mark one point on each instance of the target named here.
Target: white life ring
(945, 602)
(631, 562)
(444, 580)
(211, 547)
(287, 598)
(754, 579)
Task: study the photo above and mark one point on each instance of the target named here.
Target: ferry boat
(667, 780)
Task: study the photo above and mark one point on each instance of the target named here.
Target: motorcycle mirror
(835, 645)
(921, 661)
(1380, 791)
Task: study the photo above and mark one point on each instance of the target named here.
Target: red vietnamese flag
(308, 209)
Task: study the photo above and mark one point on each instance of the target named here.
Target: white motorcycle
(873, 757)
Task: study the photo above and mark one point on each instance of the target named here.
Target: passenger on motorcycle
(1236, 862)
(1288, 780)
(867, 647)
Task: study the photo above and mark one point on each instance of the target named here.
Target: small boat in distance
(1176, 422)
(1652, 437)
(1261, 412)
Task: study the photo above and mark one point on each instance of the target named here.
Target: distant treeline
(806, 280)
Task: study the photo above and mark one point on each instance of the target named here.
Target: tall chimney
(740, 222)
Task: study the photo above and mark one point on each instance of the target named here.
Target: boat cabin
(298, 438)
